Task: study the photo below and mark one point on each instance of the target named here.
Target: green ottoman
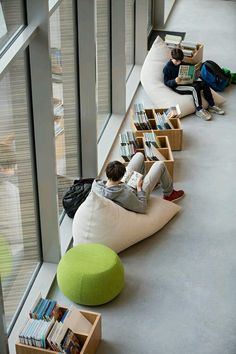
(90, 274)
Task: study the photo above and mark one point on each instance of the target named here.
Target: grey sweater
(122, 195)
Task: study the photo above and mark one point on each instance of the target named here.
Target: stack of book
(128, 145)
(141, 121)
(173, 41)
(52, 326)
(188, 48)
(163, 121)
(151, 145)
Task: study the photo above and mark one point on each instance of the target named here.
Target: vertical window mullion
(118, 58)
(141, 24)
(44, 130)
(87, 86)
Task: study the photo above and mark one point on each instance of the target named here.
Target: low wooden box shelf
(89, 341)
(175, 135)
(165, 150)
(197, 56)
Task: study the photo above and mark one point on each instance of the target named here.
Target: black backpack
(216, 78)
(76, 195)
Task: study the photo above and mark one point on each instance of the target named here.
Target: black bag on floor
(76, 195)
(212, 74)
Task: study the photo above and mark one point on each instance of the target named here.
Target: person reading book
(135, 199)
(175, 82)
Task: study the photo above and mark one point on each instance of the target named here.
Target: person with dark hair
(172, 80)
(131, 198)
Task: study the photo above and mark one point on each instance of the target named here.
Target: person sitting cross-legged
(176, 83)
(131, 198)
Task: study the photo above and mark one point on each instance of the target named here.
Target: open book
(189, 73)
(131, 178)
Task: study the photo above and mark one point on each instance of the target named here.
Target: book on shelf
(152, 138)
(52, 326)
(189, 73)
(173, 112)
(141, 120)
(128, 145)
(131, 178)
(71, 343)
(151, 145)
(172, 41)
(189, 45)
(152, 153)
(162, 121)
(127, 152)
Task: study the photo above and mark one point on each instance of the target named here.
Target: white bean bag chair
(153, 84)
(99, 220)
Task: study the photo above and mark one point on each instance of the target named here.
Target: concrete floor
(180, 291)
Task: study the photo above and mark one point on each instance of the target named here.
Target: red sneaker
(175, 195)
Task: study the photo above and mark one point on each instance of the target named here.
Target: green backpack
(233, 75)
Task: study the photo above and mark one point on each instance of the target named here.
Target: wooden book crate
(165, 150)
(175, 135)
(89, 341)
(197, 56)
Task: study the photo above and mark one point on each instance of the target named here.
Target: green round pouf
(90, 274)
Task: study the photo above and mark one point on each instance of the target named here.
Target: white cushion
(100, 220)
(153, 84)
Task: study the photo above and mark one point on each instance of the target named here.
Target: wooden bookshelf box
(175, 135)
(197, 56)
(89, 341)
(165, 150)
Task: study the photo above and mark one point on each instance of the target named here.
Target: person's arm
(169, 80)
(136, 202)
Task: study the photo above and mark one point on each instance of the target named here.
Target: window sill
(41, 285)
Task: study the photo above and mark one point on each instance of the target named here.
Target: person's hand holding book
(178, 80)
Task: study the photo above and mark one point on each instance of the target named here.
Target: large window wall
(62, 79)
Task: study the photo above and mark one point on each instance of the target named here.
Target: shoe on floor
(202, 113)
(215, 109)
(175, 195)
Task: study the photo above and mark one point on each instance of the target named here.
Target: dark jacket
(170, 71)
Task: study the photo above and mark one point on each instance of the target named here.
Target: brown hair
(177, 54)
(115, 170)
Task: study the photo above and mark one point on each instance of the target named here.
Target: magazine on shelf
(152, 153)
(189, 73)
(172, 41)
(131, 178)
(141, 121)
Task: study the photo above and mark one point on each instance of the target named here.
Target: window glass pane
(150, 10)
(11, 18)
(19, 240)
(62, 43)
(129, 34)
(103, 88)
